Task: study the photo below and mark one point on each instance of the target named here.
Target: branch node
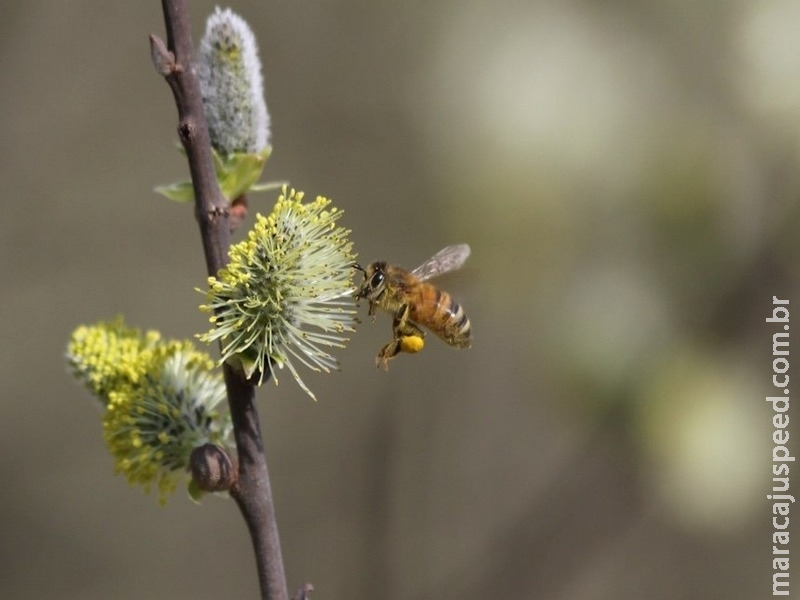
(163, 59)
(187, 131)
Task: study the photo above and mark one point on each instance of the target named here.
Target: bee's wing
(444, 261)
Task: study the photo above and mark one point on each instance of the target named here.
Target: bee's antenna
(359, 267)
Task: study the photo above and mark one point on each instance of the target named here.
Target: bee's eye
(376, 280)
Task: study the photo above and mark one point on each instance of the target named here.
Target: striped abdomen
(436, 310)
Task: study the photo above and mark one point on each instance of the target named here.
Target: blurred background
(627, 176)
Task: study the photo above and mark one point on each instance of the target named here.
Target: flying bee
(414, 302)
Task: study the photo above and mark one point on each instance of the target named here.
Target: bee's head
(374, 282)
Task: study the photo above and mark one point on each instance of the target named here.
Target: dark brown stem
(252, 492)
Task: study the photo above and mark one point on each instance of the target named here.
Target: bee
(414, 303)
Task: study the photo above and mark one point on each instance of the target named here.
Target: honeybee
(414, 302)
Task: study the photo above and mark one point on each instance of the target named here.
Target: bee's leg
(402, 327)
(386, 353)
(403, 330)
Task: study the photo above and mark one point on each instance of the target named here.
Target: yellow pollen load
(411, 344)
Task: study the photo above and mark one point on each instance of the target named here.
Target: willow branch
(252, 492)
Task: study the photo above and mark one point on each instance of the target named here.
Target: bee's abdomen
(445, 317)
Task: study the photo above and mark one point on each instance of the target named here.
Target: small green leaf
(268, 186)
(246, 363)
(181, 191)
(238, 172)
(195, 493)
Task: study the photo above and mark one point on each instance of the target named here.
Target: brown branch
(252, 492)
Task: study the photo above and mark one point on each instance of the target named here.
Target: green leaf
(195, 493)
(246, 363)
(238, 172)
(266, 187)
(181, 191)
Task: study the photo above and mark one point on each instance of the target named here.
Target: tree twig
(175, 61)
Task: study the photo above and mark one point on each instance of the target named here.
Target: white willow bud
(229, 71)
